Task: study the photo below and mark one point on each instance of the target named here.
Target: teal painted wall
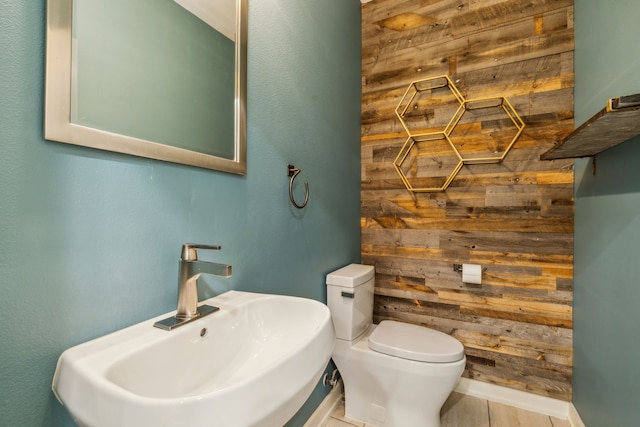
(606, 381)
(90, 240)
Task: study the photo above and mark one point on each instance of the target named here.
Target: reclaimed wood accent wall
(515, 218)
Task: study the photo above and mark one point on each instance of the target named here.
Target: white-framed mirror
(150, 78)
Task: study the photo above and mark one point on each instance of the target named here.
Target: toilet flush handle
(348, 294)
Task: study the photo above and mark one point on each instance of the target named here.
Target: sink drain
(203, 332)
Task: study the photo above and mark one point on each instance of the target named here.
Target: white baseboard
(326, 408)
(521, 399)
(518, 398)
(574, 417)
(495, 393)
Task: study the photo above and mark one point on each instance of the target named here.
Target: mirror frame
(57, 122)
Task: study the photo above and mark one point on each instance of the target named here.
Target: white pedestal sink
(252, 363)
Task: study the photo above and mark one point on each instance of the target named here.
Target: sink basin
(252, 363)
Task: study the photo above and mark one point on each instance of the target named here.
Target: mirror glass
(164, 79)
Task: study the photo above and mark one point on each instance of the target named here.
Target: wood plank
(508, 416)
(455, 321)
(464, 410)
(379, 254)
(511, 376)
(490, 15)
(518, 235)
(558, 422)
(338, 418)
(555, 366)
(494, 345)
(403, 70)
(543, 242)
(607, 128)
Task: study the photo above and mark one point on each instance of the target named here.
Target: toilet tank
(350, 300)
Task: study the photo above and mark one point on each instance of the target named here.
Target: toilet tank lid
(415, 342)
(351, 275)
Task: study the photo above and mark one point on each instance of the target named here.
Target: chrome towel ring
(293, 172)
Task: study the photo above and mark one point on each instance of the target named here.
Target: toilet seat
(415, 342)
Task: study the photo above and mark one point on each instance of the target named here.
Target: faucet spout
(190, 270)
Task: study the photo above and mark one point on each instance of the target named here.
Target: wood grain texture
(508, 416)
(604, 130)
(462, 410)
(515, 218)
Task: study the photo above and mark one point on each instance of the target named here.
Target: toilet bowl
(395, 374)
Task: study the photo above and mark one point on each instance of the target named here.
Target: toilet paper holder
(473, 278)
(458, 268)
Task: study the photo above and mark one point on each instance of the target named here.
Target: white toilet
(395, 374)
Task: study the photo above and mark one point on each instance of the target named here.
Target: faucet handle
(189, 252)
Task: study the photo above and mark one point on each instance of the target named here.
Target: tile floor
(467, 411)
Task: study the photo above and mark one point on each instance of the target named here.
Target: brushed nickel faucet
(189, 270)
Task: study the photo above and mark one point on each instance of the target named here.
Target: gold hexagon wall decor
(428, 105)
(484, 130)
(427, 162)
(439, 121)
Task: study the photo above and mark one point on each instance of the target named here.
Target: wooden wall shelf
(618, 122)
